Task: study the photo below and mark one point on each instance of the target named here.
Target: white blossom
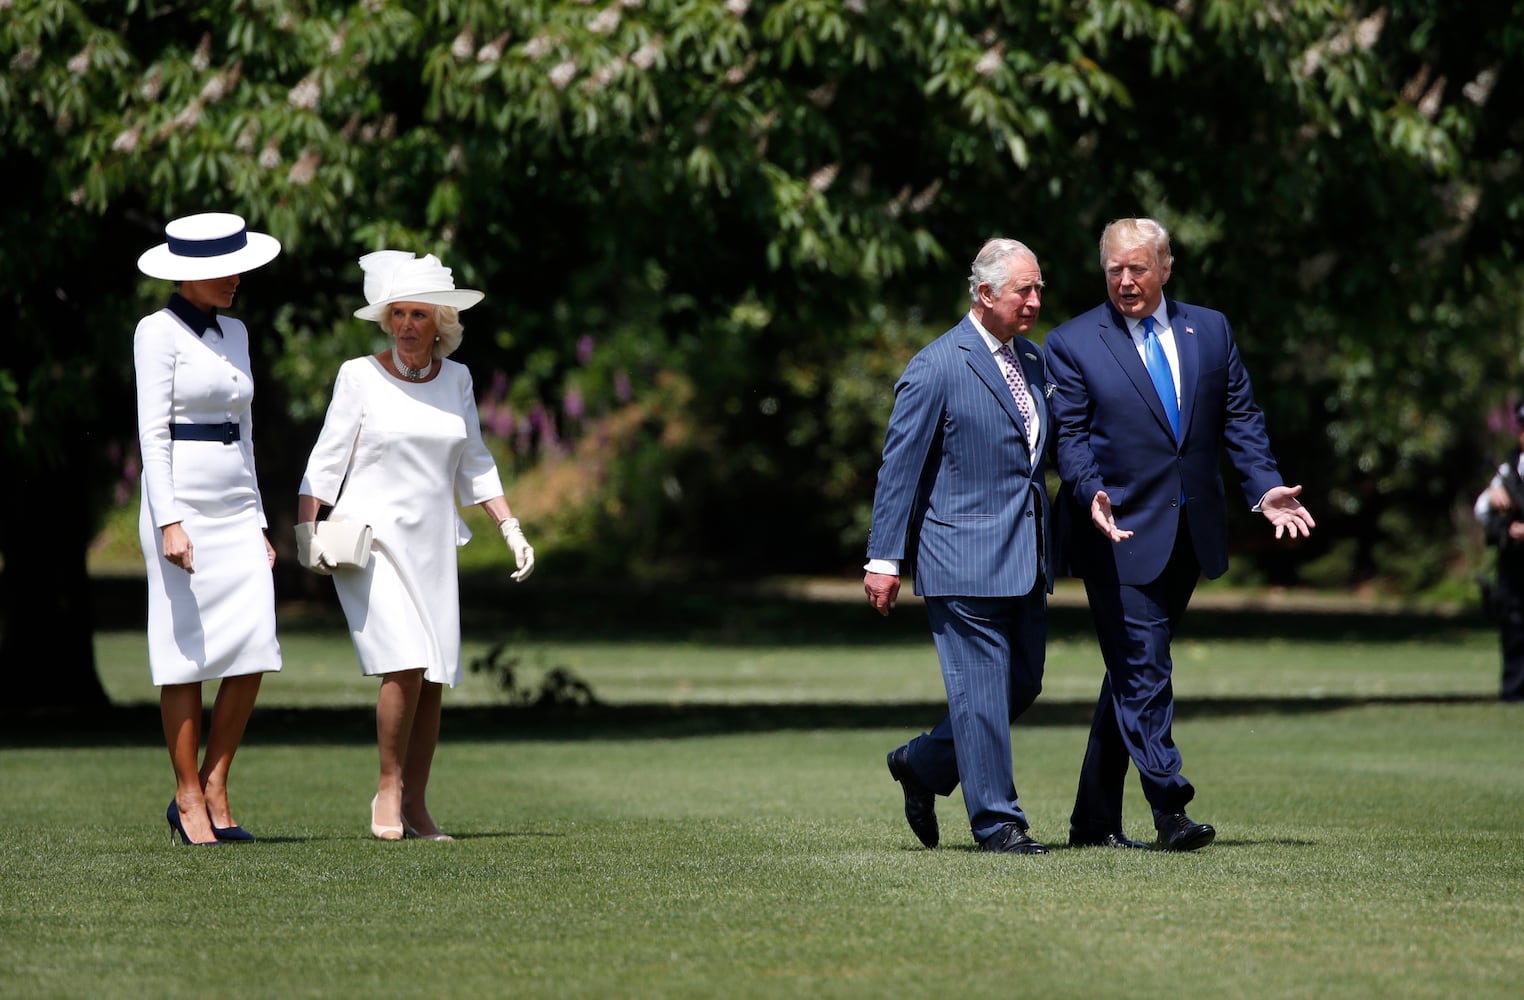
(213, 90)
(188, 116)
(645, 56)
(80, 62)
(991, 60)
(77, 197)
(606, 21)
(203, 57)
(536, 47)
(269, 157)
(305, 94)
(493, 50)
(822, 179)
(463, 44)
(1478, 90)
(128, 140)
(1428, 105)
(561, 74)
(151, 85)
(922, 201)
(1369, 30)
(245, 140)
(737, 7)
(605, 73)
(305, 168)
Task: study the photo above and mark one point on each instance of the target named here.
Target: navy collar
(198, 321)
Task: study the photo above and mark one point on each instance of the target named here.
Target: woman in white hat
(400, 443)
(211, 596)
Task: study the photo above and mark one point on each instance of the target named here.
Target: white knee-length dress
(218, 621)
(396, 454)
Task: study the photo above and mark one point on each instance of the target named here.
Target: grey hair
(991, 265)
(447, 327)
(1123, 235)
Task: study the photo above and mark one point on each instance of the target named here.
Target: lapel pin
(1190, 330)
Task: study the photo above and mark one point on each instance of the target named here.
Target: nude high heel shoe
(377, 830)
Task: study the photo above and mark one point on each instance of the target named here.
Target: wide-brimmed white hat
(209, 245)
(402, 276)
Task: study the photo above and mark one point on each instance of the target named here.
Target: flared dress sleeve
(476, 477)
(329, 462)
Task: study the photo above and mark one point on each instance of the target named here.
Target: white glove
(310, 552)
(519, 546)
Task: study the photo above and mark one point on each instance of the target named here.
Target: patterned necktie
(1158, 370)
(1018, 383)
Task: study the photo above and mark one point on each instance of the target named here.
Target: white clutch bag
(347, 542)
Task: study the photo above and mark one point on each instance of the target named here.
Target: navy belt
(226, 433)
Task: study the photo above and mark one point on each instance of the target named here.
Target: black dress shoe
(1012, 839)
(1178, 832)
(1117, 839)
(920, 803)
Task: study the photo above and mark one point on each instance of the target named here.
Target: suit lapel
(988, 370)
(1117, 340)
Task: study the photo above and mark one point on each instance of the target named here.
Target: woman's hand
(269, 551)
(177, 547)
(523, 555)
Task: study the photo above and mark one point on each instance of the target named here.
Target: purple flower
(584, 349)
(571, 404)
(622, 388)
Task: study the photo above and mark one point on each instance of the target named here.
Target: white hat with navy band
(208, 245)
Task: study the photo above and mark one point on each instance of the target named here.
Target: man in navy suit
(1148, 391)
(961, 507)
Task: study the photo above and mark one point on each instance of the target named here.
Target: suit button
(1175, 502)
(1029, 513)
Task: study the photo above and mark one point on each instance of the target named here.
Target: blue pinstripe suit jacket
(959, 501)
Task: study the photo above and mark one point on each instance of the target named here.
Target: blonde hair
(1130, 234)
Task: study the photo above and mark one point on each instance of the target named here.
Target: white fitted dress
(396, 455)
(218, 621)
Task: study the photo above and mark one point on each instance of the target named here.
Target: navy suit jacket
(1113, 435)
(959, 501)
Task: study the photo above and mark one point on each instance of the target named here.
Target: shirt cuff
(888, 567)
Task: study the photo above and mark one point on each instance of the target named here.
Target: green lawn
(725, 827)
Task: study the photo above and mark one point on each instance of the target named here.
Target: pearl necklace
(411, 374)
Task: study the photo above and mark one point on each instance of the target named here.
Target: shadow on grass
(139, 725)
(745, 615)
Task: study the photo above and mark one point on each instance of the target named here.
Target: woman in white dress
(211, 595)
(400, 443)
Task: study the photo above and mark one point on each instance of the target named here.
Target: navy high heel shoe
(173, 815)
(230, 834)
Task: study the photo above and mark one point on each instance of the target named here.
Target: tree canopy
(712, 231)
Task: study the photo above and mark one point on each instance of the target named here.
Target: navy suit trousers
(1134, 715)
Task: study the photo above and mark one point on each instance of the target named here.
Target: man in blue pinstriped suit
(1148, 390)
(961, 507)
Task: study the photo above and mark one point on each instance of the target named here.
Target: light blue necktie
(1158, 370)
